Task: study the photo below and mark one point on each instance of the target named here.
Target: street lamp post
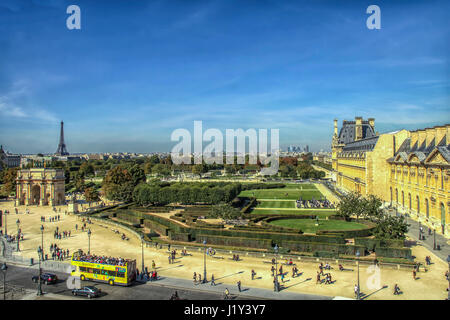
(89, 241)
(18, 234)
(6, 222)
(4, 268)
(276, 267)
(142, 245)
(434, 241)
(358, 292)
(420, 232)
(42, 242)
(204, 262)
(39, 292)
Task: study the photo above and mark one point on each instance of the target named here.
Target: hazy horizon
(138, 70)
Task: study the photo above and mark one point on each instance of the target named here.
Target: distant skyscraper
(62, 151)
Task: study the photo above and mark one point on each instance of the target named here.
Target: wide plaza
(104, 241)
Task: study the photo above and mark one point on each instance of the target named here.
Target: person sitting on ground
(341, 268)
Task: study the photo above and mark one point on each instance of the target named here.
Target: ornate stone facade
(419, 177)
(407, 169)
(40, 186)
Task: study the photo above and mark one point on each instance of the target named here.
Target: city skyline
(136, 72)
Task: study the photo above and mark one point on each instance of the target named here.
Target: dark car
(47, 278)
(88, 291)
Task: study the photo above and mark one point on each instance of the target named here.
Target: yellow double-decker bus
(123, 274)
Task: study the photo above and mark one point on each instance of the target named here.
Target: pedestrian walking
(213, 283)
(239, 285)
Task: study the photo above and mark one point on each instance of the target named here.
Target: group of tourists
(327, 276)
(197, 277)
(27, 211)
(59, 254)
(101, 259)
(13, 238)
(313, 203)
(51, 219)
(147, 275)
(172, 256)
(59, 235)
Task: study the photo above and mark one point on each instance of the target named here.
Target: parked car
(47, 278)
(88, 291)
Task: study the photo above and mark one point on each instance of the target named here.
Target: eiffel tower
(62, 151)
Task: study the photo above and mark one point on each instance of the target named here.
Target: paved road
(20, 276)
(160, 290)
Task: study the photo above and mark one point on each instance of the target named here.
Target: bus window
(121, 274)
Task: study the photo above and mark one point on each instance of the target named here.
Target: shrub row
(129, 218)
(235, 241)
(156, 227)
(249, 205)
(184, 237)
(337, 249)
(372, 243)
(404, 253)
(254, 186)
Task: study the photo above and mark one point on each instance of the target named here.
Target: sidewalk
(247, 292)
(413, 232)
(428, 243)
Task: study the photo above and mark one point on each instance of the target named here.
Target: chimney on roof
(372, 123)
(358, 128)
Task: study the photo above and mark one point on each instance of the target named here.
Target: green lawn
(277, 204)
(322, 213)
(308, 225)
(282, 194)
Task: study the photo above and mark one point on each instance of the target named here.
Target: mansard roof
(347, 133)
(361, 145)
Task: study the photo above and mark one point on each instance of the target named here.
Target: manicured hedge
(372, 243)
(404, 253)
(157, 227)
(184, 237)
(127, 217)
(254, 186)
(251, 204)
(329, 247)
(235, 241)
(200, 223)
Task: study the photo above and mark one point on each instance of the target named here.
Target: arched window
(403, 199)
(427, 208)
(443, 217)
(391, 194)
(409, 199)
(418, 204)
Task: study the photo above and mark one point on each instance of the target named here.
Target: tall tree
(9, 180)
(118, 184)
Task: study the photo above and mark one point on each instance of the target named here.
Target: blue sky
(137, 70)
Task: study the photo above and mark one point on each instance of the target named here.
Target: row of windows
(103, 272)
